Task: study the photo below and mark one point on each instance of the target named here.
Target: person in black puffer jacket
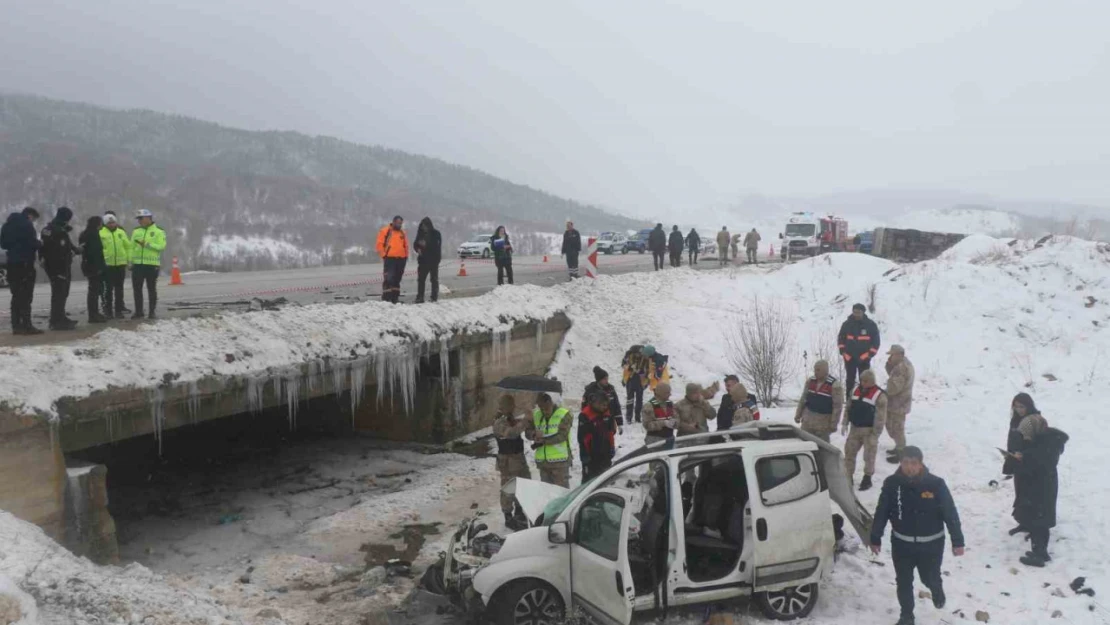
(674, 244)
(1035, 509)
(428, 246)
(93, 266)
(19, 239)
(57, 257)
(601, 385)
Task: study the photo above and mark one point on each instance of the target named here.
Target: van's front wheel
(788, 604)
(529, 602)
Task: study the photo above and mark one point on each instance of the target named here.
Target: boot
(138, 315)
(27, 330)
(1033, 560)
(893, 456)
(938, 597)
(1017, 530)
(1043, 555)
(98, 318)
(63, 324)
(865, 483)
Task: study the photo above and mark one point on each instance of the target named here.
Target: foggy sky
(638, 104)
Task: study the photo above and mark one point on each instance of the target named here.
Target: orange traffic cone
(175, 274)
(545, 258)
(462, 269)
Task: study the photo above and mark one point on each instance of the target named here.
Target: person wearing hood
(1021, 406)
(601, 385)
(147, 243)
(57, 259)
(657, 243)
(918, 506)
(659, 415)
(19, 239)
(1035, 469)
(597, 430)
(723, 238)
(693, 411)
(674, 244)
(858, 342)
(117, 254)
(429, 251)
(635, 370)
(393, 248)
(693, 245)
(93, 266)
(502, 254)
(508, 429)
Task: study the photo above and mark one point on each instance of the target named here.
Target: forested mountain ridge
(223, 192)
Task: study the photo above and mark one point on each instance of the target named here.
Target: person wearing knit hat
(597, 431)
(612, 399)
(57, 255)
(511, 463)
(693, 411)
(659, 417)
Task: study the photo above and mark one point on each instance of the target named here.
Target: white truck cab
(698, 521)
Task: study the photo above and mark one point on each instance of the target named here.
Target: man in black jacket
(601, 385)
(918, 506)
(858, 342)
(657, 243)
(57, 258)
(675, 243)
(596, 436)
(428, 246)
(19, 239)
(572, 246)
(728, 404)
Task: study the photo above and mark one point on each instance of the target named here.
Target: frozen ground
(982, 323)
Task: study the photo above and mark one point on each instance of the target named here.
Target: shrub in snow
(762, 348)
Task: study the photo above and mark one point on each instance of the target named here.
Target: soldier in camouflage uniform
(511, 464)
(899, 391)
(867, 415)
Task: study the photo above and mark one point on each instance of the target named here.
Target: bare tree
(824, 347)
(762, 348)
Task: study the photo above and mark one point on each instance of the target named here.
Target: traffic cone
(462, 269)
(545, 258)
(175, 274)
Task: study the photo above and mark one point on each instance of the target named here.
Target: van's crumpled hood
(533, 496)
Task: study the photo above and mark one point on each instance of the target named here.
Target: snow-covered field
(224, 247)
(981, 323)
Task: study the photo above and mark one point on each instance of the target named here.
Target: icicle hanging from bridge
(194, 402)
(358, 384)
(313, 374)
(541, 329)
(500, 347)
(338, 376)
(255, 389)
(157, 398)
(398, 370)
(292, 382)
(444, 365)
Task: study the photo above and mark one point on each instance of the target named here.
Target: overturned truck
(676, 523)
(911, 246)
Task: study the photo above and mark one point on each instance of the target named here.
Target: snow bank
(261, 343)
(978, 248)
(54, 587)
(978, 333)
(231, 247)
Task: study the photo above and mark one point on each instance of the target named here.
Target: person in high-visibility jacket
(550, 435)
(147, 243)
(117, 253)
(393, 248)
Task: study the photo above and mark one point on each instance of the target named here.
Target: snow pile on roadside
(246, 344)
(222, 247)
(68, 590)
(978, 333)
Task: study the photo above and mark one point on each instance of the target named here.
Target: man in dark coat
(657, 243)
(19, 239)
(1035, 510)
(728, 404)
(428, 246)
(572, 246)
(57, 258)
(918, 506)
(858, 342)
(693, 245)
(675, 244)
(596, 436)
(601, 385)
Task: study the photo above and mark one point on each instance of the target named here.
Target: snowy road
(208, 293)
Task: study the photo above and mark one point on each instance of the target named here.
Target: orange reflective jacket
(392, 243)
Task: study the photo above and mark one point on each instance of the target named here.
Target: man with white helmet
(147, 243)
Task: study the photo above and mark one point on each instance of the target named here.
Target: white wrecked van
(672, 524)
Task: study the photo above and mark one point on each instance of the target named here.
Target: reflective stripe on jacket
(559, 452)
(117, 247)
(151, 253)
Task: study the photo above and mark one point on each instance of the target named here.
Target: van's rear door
(600, 574)
(791, 522)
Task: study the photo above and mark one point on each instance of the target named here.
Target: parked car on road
(612, 243)
(477, 246)
(639, 242)
(757, 522)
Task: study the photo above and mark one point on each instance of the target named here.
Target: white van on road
(680, 523)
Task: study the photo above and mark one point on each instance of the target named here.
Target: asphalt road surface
(212, 293)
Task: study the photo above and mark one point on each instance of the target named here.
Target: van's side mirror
(557, 534)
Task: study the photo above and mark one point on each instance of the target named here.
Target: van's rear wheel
(788, 604)
(529, 602)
